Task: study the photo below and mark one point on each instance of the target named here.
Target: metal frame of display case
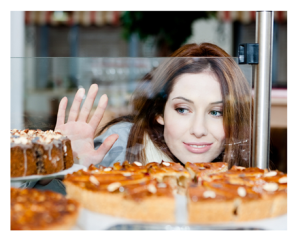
(262, 74)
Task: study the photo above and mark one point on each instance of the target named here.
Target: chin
(195, 160)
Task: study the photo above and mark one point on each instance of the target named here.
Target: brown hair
(151, 96)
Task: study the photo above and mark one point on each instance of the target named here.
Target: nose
(198, 126)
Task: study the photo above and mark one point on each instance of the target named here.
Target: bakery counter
(97, 187)
(232, 202)
(89, 220)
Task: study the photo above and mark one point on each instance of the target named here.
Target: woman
(194, 109)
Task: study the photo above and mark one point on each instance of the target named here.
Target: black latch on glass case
(248, 53)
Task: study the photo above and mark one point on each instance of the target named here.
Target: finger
(60, 120)
(106, 146)
(76, 105)
(98, 114)
(88, 103)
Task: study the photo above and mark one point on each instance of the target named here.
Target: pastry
(34, 152)
(32, 209)
(239, 194)
(129, 194)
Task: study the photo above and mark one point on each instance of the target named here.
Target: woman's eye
(216, 113)
(181, 110)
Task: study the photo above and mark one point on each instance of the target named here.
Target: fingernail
(81, 92)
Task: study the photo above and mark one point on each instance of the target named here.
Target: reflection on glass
(192, 109)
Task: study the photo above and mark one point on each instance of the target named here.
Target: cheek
(170, 130)
(222, 136)
(174, 128)
(218, 131)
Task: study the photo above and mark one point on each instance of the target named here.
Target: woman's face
(193, 118)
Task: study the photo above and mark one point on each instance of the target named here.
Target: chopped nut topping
(127, 174)
(36, 208)
(138, 163)
(151, 188)
(20, 199)
(45, 139)
(31, 132)
(18, 207)
(94, 180)
(41, 198)
(257, 189)
(21, 140)
(241, 191)
(161, 185)
(208, 194)
(271, 173)
(57, 136)
(113, 186)
(71, 207)
(283, 180)
(270, 187)
(240, 167)
(94, 171)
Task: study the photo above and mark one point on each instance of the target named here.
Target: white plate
(62, 173)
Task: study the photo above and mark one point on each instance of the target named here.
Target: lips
(198, 148)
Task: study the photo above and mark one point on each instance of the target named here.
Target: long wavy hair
(149, 99)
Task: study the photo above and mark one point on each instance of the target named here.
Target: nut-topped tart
(214, 193)
(200, 171)
(32, 209)
(173, 173)
(239, 194)
(130, 193)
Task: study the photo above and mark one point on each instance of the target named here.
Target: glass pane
(211, 118)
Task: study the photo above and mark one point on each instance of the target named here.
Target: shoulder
(118, 150)
(121, 128)
(121, 125)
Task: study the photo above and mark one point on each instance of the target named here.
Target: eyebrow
(190, 101)
(217, 102)
(182, 98)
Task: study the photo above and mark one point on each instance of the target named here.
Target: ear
(160, 120)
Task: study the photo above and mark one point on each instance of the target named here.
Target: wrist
(81, 161)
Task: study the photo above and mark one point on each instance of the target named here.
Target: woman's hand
(79, 131)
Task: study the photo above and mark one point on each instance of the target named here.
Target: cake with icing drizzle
(37, 152)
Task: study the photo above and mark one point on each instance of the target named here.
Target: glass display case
(219, 111)
(47, 80)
